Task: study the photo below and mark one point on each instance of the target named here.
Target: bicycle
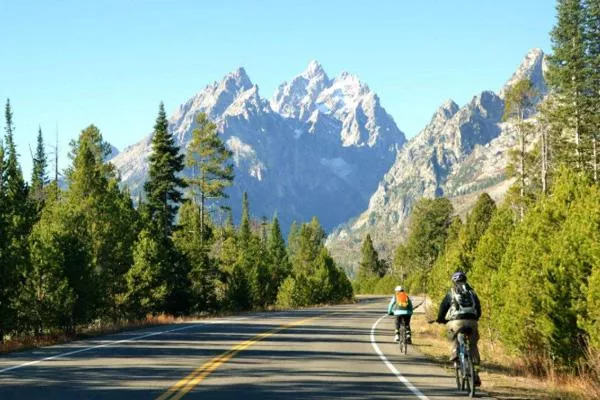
(464, 369)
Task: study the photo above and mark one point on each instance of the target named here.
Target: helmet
(399, 289)
(459, 276)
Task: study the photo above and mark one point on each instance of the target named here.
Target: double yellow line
(185, 385)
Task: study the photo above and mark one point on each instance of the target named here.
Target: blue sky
(67, 64)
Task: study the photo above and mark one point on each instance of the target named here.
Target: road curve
(321, 353)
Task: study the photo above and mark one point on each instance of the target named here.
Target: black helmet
(459, 277)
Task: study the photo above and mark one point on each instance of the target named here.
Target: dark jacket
(447, 303)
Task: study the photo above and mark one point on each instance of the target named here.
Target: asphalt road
(332, 352)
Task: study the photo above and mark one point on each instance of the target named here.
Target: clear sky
(67, 64)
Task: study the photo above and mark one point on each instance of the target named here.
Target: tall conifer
(162, 187)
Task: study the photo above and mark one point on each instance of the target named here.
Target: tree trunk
(544, 160)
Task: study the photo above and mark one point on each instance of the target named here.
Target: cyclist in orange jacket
(401, 306)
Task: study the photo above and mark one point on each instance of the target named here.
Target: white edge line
(109, 344)
(391, 367)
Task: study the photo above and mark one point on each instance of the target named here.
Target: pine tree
(566, 76)
(46, 299)
(193, 244)
(147, 289)
(428, 230)
(520, 100)
(592, 54)
(39, 177)
(105, 218)
(212, 170)
(16, 221)
(315, 278)
(477, 223)
(165, 163)
(245, 231)
(280, 264)
(370, 263)
(486, 263)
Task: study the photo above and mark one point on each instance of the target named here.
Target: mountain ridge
(289, 161)
(461, 151)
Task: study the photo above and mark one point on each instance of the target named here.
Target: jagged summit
(317, 138)
(447, 109)
(532, 67)
(314, 69)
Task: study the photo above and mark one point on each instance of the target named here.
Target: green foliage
(46, 299)
(428, 230)
(192, 245)
(39, 177)
(593, 308)
(162, 186)
(210, 160)
(147, 289)
(551, 255)
(280, 264)
(15, 218)
(487, 259)
(315, 278)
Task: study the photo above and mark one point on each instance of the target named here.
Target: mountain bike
(465, 372)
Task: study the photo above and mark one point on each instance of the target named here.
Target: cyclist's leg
(408, 333)
(453, 328)
(397, 331)
(474, 341)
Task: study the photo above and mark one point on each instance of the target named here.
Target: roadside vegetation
(534, 259)
(85, 260)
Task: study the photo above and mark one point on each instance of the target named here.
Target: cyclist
(401, 306)
(461, 309)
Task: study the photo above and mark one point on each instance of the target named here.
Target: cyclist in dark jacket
(461, 309)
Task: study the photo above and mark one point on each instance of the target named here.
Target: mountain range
(319, 147)
(326, 147)
(462, 152)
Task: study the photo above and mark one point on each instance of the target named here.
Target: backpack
(402, 300)
(463, 304)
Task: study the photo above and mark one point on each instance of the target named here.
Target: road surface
(323, 353)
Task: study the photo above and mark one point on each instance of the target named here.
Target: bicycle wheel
(470, 376)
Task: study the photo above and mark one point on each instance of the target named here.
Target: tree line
(534, 259)
(84, 255)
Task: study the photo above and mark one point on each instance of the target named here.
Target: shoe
(477, 380)
(396, 338)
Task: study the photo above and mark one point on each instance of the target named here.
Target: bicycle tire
(402, 338)
(470, 374)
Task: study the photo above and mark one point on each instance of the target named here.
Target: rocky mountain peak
(447, 109)
(532, 67)
(314, 70)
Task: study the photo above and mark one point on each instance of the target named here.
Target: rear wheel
(470, 378)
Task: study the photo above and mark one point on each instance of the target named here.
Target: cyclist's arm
(391, 306)
(444, 307)
(477, 306)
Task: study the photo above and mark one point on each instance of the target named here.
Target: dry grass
(505, 376)
(98, 328)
